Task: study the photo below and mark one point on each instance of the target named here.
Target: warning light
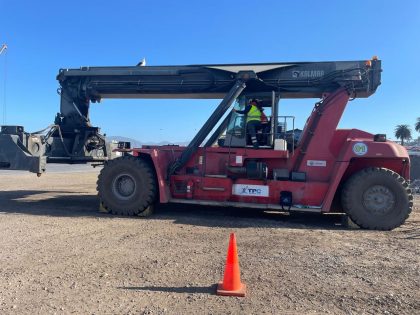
(375, 58)
(368, 63)
(379, 138)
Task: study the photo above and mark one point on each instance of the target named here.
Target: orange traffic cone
(231, 284)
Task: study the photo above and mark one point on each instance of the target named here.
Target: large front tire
(377, 199)
(127, 186)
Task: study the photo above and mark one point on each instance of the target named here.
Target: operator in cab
(253, 114)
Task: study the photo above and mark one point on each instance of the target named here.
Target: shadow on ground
(52, 203)
(411, 230)
(79, 204)
(188, 289)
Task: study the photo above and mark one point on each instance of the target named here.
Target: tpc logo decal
(250, 190)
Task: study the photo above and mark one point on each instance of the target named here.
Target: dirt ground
(60, 255)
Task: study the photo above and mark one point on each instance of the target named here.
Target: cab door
(236, 129)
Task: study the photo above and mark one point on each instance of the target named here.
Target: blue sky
(44, 36)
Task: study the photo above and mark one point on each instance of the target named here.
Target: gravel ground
(59, 255)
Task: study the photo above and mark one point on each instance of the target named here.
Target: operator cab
(273, 127)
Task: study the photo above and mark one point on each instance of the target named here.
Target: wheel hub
(378, 199)
(124, 186)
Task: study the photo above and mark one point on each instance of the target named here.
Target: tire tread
(354, 180)
(145, 205)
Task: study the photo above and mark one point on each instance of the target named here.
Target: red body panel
(331, 156)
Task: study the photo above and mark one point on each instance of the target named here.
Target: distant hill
(137, 143)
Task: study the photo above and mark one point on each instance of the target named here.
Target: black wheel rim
(124, 186)
(378, 199)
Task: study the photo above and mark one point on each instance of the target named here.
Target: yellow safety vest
(253, 114)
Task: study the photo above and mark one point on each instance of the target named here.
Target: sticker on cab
(360, 148)
(320, 163)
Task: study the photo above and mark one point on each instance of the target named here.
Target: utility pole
(3, 49)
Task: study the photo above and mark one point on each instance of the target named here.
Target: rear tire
(127, 186)
(377, 199)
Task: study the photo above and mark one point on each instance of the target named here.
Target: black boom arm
(72, 138)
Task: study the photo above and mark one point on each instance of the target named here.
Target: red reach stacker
(317, 169)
